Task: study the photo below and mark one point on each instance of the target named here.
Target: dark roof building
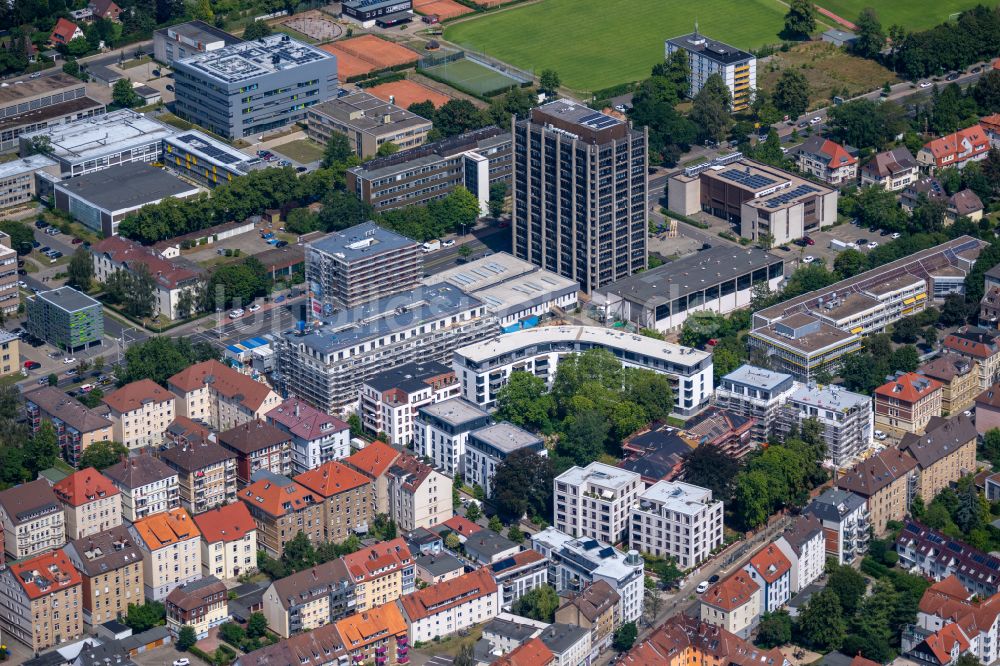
(657, 454)
(938, 556)
(487, 546)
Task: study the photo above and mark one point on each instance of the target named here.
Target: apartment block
(441, 432)
(172, 279)
(309, 599)
(374, 462)
(40, 601)
(419, 496)
(756, 393)
(258, 446)
(946, 614)
(523, 572)
(317, 438)
(10, 354)
(220, 396)
(594, 609)
(734, 604)
(148, 486)
(228, 541)
(91, 503)
(488, 447)
(33, 520)
(827, 160)
(846, 418)
(171, 547)
(772, 571)
(452, 606)
(906, 404)
(553, 203)
(676, 520)
(200, 604)
(959, 379)
(892, 169)
(887, 481)
(846, 523)
(596, 501)
(368, 122)
(206, 472)
(980, 345)
(944, 453)
(250, 88)
(346, 497)
(141, 412)
(935, 555)
(110, 564)
(381, 573)
(77, 426)
(706, 57)
(281, 509)
(682, 638)
(389, 401)
(378, 635)
(805, 547)
(955, 150)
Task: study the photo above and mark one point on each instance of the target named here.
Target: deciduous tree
(800, 20)
(791, 94)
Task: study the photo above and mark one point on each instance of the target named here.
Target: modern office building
(368, 122)
(758, 393)
(760, 201)
(432, 171)
(485, 367)
(205, 160)
(706, 57)
(358, 265)
(102, 199)
(184, 40)
(30, 105)
(104, 141)
(389, 401)
(18, 179)
(441, 432)
(65, 318)
(490, 446)
(718, 279)
(326, 364)
(595, 502)
(580, 194)
(250, 88)
(576, 563)
(676, 520)
(846, 418)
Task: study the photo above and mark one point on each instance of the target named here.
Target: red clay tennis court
(368, 53)
(405, 93)
(445, 9)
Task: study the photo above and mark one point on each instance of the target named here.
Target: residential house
(90, 501)
(485, 547)
(389, 401)
(106, 9)
(755, 393)
(596, 501)
(594, 608)
(281, 508)
(317, 437)
(441, 429)
(847, 424)
(964, 203)
(988, 410)
(805, 547)
(309, 599)
(322, 647)
(959, 378)
(376, 635)
(64, 32)
(228, 541)
(845, 521)
(906, 403)
(446, 608)
(989, 308)
(677, 520)
(886, 481)
(532, 652)
(110, 563)
(346, 499)
(938, 556)
(488, 447)
(33, 520)
(374, 462)
(77, 426)
(200, 604)
(980, 345)
(147, 485)
(206, 472)
(519, 574)
(220, 396)
(503, 634)
(734, 604)
(947, 602)
(955, 150)
(259, 446)
(437, 567)
(725, 430)
(772, 571)
(944, 454)
(891, 169)
(991, 487)
(40, 601)
(568, 643)
(171, 546)
(381, 573)
(419, 496)
(687, 640)
(827, 160)
(658, 452)
(141, 412)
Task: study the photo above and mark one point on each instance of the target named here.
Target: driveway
(163, 656)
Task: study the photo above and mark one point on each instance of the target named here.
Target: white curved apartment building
(484, 367)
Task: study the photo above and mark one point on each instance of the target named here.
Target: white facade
(487, 447)
(806, 553)
(455, 618)
(596, 501)
(758, 393)
(145, 500)
(389, 402)
(485, 367)
(678, 520)
(229, 559)
(441, 431)
(847, 418)
(845, 521)
(706, 57)
(419, 499)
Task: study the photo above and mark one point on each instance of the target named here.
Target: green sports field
(471, 76)
(912, 14)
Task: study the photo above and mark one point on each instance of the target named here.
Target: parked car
(22, 284)
(808, 259)
(77, 241)
(281, 243)
(702, 587)
(895, 235)
(872, 245)
(69, 360)
(926, 84)
(880, 436)
(861, 242)
(31, 365)
(816, 121)
(21, 271)
(41, 224)
(952, 77)
(448, 243)
(279, 299)
(808, 240)
(236, 314)
(253, 308)
(44, 249)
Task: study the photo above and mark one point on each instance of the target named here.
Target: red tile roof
(530, 653)
(950, 601)
(375, 561)
(374, 459)
(305, 421)
(990, 123)
(231, 522)
(86, 485)
(835, 154)
(444, 596)
(732, 592)
(278, 499)
(909, 387)
(166, 528)
(45, 574)
(972, 139)
(944, 639)
(332, 478)
(461, 525)
(702, 643)
(64, 31)
(224, 380)
(136, 395)
(861, 661)
(770, 563)
(361, 629)
(166, 273)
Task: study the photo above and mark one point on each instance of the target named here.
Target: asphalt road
(481, 239)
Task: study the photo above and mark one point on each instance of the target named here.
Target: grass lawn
(915, 15)
(593, 48)
(301, 150)
(452, 644)
(828, 69)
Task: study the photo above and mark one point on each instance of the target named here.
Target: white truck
(430, 246)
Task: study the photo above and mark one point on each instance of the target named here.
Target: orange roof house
(909, 387)
(530, 653)
(956, 149)
(365, 633)
(734, 604)
(230, 522)
(64, 32)
(770, 569)
(332, 478)
(373, 460)
(84, 486)
(277, 499)
(944, 645)
(378, 560)
(347, 497)
(962, 617)
(224, 380)
(458, 604)
(686, 640)
(134, 395)
(167, 537)
(45, 574)
(165, 529)
(91, 503)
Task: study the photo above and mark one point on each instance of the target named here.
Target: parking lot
(822, 251)
(163, 656)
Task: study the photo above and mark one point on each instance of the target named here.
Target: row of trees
(975, 36)
(300, 553)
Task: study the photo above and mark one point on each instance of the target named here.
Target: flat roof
(200, 32)
(47, 113)
(710, 48)
(13, 91)
(213, 151)
(100, 135)
(599, 474)
(594, 335)
(362, 241)
(455, 411)
(525, 291)
(126, 186)
(828, 335)
(579, 114)
(365, 112)
(68, 299)
(685, 498)
(848, 306)
(505, 437)
(894, 284)
(830, 397)
(433, 152)
(751, 375)
(690, 274)
(484, 272)
(249, 60)
(603, 559)
(25, 165)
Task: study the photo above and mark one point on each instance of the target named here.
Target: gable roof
(409, 472)
(952, 144)
(459, 525)
(102, 8)
(836, 155)
(224, 380)
(805, 528)
(941, 642)
(594, 600)
(444, 596)
(374, 459)
(376, 561)
(305, 421)
(140, 470)
(69, 410)
(189, 458)
(64, 30)
(166, 528)
(732, 592)
(770, 563)
(136, 395)
(253, 436)
(197, 593)
(359, 630)
(105, 551)
(877, 472)
(681, 634)
(532, 652)
(942, 438)
(166, 273)
(332, 478)
(86, 485)
(908, 387)
(312, 583)
(230, 522)
(29, 501)
(947, 366)
(965, 202)
(973, 341)
(890, 162)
